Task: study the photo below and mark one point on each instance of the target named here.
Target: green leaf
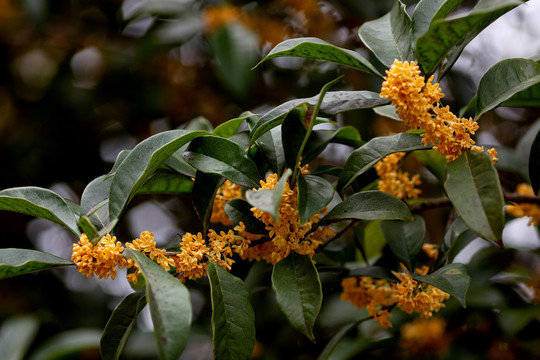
(268, 200)
(170, 306)
(272, 148)
(229, 128)
(534, 164)
(235, 50)
(163, 182)
(428, 11)
(95, 201)
(216, 155)
(334, 102)
(204, 192)
(363, 159)
(473, 186)
(389, 37)
(293, 132)
(529, 97)
(120, 324)
(71, 344)
(368, 205)
(452, 279)
(315, 48)
(21, 261)
(314, 193)
(320, 138)
(296, 283)
(377, 272)
(331, 345)
(446, 38)
(233, 320)
(504, 80)
(405, 239)
(435, 162)
(141, 163)
(42, 203)
(16, 335)
(239, 210)
(388, 111)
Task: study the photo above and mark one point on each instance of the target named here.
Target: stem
(442, 202)
(336, 235)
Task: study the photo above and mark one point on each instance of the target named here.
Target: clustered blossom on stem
(379, 296)
(521, 210)
(417, 104)
(394, 181)
(423, 337)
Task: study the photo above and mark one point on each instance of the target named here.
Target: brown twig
(442, 202)
(336, 235)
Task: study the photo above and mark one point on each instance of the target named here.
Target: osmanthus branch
(443, 202)
(336, 235)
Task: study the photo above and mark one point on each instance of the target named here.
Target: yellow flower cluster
(530, 210)
(379, 296)
(226, 192)
(100, 259)
(146, 245)
(423, 337)
(394, 181)
(287, 233)
(417, 104)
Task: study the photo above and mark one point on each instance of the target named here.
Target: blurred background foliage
(81, 80)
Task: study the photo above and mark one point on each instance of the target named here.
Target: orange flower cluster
(379, 296)
(423, 337)
(146, 245)
(394, 181)
(100, 259)
(530, 210)
(417, 104)
(226, 192)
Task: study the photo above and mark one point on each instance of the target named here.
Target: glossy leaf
(315, 48)
(167, 183)
(504, 80)
(427, 11)
(293, 132)
(314, 193)
(272, 147)
(230, 127)
(296, 283)
(405, 239)
(239, 210)
(473, 186)
(529, 97)
(268, 200)
(452, 279)
(362, 159)
(534, 164)
(446, 38)
(205, 188)
(320, 138)
(233, 320)
(368, 205)
(141, 163)
(16, 336)
(169, 303)
(42, 203)
(120, 324)
(334, 102)
(235, 50)
(388, 111)
(22, 261)
(95, 201)
(69, 344)
(389, 37)
(216, 155)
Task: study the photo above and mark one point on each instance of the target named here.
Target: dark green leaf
(435, 162)
(327, 170)
(504, 80)
(141, 162)
(233, 320)
(428, 11)
(473, 186)
(334, 102)
(320, 138)
(16, 335)
(272, 148)
(167, 183)
(95, 201)
(369, 205)
(534, 164)
(452, 279)
(122, 155)
(238, 210)
(377, 272)
(88, 228)
(314, 193)
(446, 38)
(298, 291)
(216, 155)
(235, 50)
(204, 192)
(529, 97)
(42, 203)
(170, 306)
(389, 37)
(331, 345)
(71, 344)
(268, 200)
(293, 132)
(318, 49)
(229, 128)
(120, 325)
(405, 239)
(362, 159)
(21, 261)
